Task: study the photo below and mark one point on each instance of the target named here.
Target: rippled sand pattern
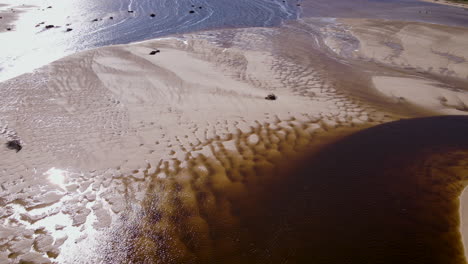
(178, 158)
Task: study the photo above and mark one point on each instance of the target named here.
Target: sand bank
(135, 157)
(410, 45)
(449, 3)
(424, 93)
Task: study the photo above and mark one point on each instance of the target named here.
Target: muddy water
(387, 194)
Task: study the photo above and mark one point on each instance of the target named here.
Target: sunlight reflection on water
(57, 176)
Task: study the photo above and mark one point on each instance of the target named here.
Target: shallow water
(30, 47)
(405, 10)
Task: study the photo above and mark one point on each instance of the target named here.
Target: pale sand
(424, 93)
(426, 47)
(107, 132)
(450, 3)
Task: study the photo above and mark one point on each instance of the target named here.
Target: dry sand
(131, 156)
(430, 48)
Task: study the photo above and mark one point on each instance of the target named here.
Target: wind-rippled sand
(178, 158)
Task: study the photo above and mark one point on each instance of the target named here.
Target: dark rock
(1, 17)
(9, 29)
(154, 52)
(69, 29)
(130, 11)
(49, 7)
(298, 4)
(14, 145)
(111, 17)
(200, 7)
(49, 26)
(191, 11)
(152, 15)
(271, 97)
(94, 20)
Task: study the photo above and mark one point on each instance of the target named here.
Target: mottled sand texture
(177, 157)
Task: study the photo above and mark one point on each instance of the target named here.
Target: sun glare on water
(57, 176)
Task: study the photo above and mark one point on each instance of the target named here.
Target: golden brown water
(388, 194)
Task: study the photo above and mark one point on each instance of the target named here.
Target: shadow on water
(387, 194)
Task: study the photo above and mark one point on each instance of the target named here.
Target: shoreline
(464, 219)
(447, 3)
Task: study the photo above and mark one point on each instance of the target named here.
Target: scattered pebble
(94, 20)
(111, 17)
(191, 11)
(69, 29)
(154, 52)
(14, 145)
(130, 11)
(49, 26)
(152, 15)
(271, 97)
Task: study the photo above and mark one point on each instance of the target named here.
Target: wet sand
(449, 3)
(7, 18)
(178, 158)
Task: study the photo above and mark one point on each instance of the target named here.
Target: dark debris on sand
(271, 97)
(14, 145)
(153, 52)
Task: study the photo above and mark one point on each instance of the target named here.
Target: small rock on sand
(14, 145)
(271, 97)
(153, 52)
